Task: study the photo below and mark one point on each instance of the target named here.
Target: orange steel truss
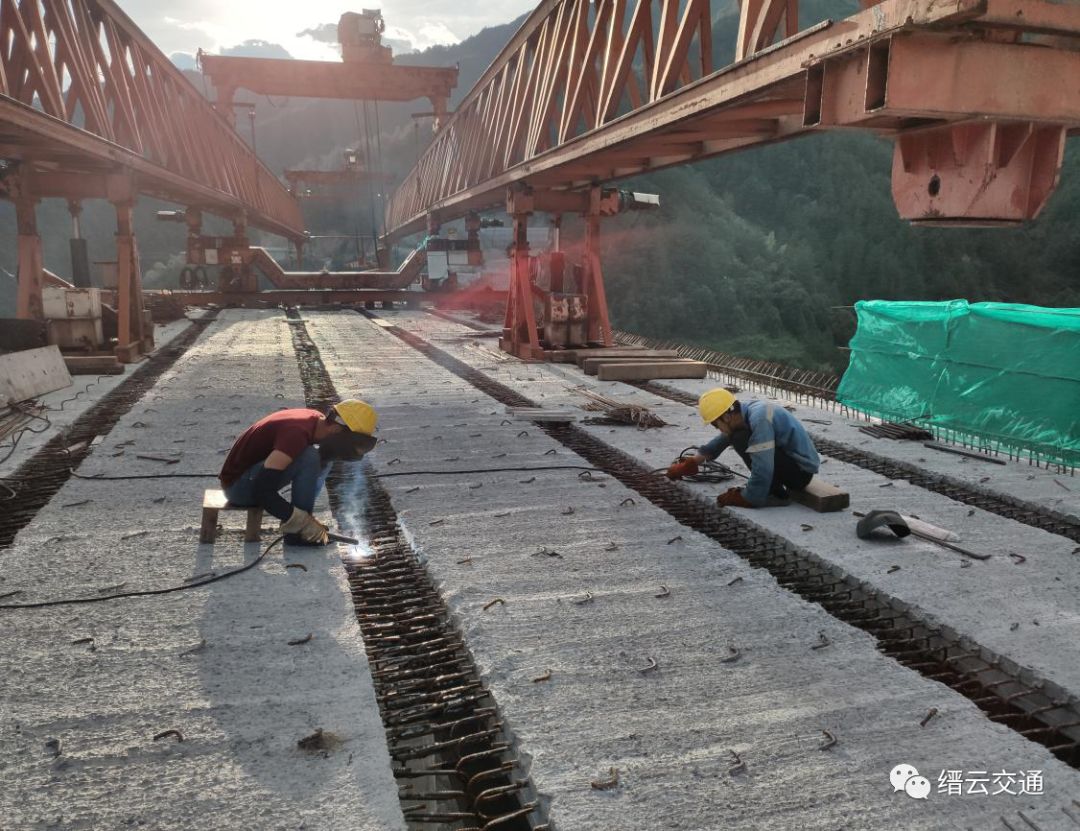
(350, 80)
(91, 109)
(83, 89)
(590, 92)
(331, 184)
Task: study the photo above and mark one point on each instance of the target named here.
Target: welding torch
(342, 538)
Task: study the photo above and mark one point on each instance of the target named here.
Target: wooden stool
(214, 501)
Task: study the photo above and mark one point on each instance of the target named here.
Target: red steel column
(129, 323)
(599, 324)
(31, 268)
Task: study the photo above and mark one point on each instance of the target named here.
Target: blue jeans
(306, 473)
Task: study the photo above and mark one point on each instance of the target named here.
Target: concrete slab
(646, 371)
(580, 590)
(592, 365)
(212, 662)
(1037, 618)
(1049, 487)
(30, 373)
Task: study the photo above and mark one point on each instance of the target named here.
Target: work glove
(310, 529)
(733, 498)
(683, 467)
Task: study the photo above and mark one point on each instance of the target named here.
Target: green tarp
(1003, 373)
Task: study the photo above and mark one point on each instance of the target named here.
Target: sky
(212, 25)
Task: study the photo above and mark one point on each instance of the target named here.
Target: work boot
(779, 497)
(780, 492)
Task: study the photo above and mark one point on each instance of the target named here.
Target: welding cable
(17, 436)
(540, 468)
(714, 473)
(711, 472)
(26, 411)
(74, 601)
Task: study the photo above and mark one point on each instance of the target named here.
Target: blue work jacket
(771, 428)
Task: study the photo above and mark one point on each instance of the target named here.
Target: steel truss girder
(82, 89)
(580, 97)
(270, 298)
(348, 80)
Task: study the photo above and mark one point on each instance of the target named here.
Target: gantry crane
(367, 72)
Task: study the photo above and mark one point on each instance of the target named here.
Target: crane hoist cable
(367, 158)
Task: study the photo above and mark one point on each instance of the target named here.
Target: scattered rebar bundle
(18, 417)
(898, 432)
(451, 752)
(616, 412)
(1011, 695)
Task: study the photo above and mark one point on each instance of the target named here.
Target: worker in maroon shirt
(296, 447)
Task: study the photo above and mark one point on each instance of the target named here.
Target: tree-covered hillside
(753, 253)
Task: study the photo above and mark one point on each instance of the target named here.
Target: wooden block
(573, 356)
(30, 373)
(822, 497)
(649, 371)
(253, 530)
(214, 498)
(93, 365)
(208, 529)
(618, 352)
(592, 365)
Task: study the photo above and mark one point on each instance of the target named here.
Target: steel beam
(631, 102)
(348, 80)
(296, 297)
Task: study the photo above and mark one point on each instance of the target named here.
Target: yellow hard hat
(714, 404)
(358, 416)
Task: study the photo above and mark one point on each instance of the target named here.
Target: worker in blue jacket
(769, 439)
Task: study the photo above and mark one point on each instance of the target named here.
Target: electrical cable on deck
(73, 601)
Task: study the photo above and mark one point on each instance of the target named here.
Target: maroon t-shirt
(289, 431)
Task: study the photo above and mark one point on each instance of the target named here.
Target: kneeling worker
(295, 447)
(771, 442)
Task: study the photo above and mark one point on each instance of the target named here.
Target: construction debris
(607, 784)
(898, 432)
(616, 412)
